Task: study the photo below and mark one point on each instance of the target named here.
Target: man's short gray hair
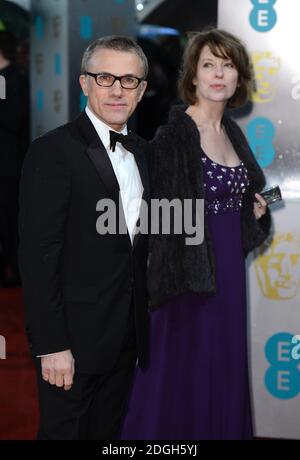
(114, 42)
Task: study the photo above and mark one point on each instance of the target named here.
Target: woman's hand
(259, 207)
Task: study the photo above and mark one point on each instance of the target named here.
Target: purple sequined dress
(196, 386)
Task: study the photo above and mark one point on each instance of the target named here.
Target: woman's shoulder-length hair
(222, 44)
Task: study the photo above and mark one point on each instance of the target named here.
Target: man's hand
(259, 207)
(58, 369)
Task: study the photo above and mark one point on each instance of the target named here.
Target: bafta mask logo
(278, 267)
(57, 100)
(56, 26)
(266, 67)
(39, 63)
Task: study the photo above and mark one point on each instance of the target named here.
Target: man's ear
(83, 84)
(142, 91)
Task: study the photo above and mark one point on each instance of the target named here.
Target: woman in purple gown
(196, 384)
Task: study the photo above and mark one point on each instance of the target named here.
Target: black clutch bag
(271, 195)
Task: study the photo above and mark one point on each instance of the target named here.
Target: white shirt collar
(102, 128)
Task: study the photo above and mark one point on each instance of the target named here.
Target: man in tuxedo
(85, 291)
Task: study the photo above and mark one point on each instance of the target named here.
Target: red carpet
(18, 399)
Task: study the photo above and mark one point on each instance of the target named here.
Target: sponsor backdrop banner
(270, 29)
(60, 32)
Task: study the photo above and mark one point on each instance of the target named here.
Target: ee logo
(260, 134)
(282, 378)
(263, 17)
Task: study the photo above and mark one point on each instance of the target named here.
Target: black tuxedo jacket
(78, 285)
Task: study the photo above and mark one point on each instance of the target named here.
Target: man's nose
(116, 88)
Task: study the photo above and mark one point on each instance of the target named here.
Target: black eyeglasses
(107, 80)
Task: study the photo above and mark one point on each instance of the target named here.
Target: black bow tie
(128, 141)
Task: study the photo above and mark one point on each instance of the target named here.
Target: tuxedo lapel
(100, 159)
(98, 155)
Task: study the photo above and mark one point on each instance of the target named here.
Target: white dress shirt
(126, 171)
